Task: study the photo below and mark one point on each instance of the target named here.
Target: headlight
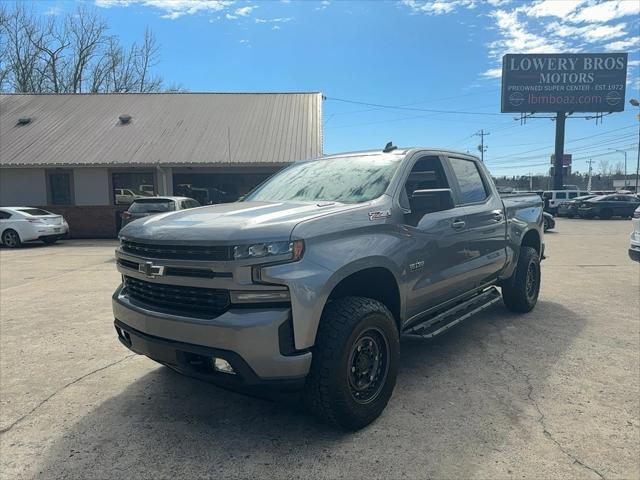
(293, 249)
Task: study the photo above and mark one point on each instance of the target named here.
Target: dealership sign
(564, 82)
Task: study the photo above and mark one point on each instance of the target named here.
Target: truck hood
(230, 222)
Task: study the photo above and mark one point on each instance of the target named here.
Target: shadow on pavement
(458, 400)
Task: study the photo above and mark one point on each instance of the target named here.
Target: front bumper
(249, 339)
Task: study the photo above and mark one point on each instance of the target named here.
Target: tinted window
(573, 194)
(561, 196)
(36, 212)
(469, 179)
(547, 195)
(4, 215)
(426, 174)
(151, 206)
(60, 188)
(342, 179)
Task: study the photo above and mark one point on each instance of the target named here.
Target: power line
(413, 109)
(569, 141)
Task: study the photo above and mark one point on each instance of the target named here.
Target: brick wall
(91, 221)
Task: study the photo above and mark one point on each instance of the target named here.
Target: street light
(636, 103)
(625, 163)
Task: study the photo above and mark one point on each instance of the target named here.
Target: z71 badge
(380, 215)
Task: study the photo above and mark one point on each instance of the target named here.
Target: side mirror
(429, 201)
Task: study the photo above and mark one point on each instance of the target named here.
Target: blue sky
(439, 55)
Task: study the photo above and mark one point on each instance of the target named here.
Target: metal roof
(165, 128)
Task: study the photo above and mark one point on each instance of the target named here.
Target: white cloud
(553, 8)
(274, 20)
(606, 11)
(228, 16)
(437, 7)
(323, 5)
(622, 45)
(245, 11)
(52, 11)
(492, 73)
(172, 8)
(276, 27)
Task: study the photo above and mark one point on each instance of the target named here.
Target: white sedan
(25, 224)
(634, 246)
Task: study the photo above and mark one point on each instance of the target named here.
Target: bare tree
(146, 58)
(618, 168)
(72, 54)
(604, 167)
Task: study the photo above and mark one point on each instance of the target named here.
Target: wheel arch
(378, 283)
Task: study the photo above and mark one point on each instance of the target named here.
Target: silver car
(145, 206)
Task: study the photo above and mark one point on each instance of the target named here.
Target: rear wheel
(520, 292)
(546, 224)
(11, 239)
(355, 362)
(50, 240)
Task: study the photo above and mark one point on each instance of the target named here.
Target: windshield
(148, 206)
(344, 179)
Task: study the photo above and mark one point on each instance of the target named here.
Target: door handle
(497, 216)
(458, 224)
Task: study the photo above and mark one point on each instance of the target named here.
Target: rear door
(435, 253)
(486, 225)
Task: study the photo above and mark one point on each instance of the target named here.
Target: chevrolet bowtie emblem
(150, 270)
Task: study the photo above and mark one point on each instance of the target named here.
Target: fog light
(222, 366)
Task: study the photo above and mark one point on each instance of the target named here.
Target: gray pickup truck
(309, 281)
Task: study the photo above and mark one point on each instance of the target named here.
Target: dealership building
(87, 156)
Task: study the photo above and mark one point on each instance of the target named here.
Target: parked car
(607, 206)
(143, 207)
(308, 282)
(549, 223)
(634, 244)
(26, 224)
(554, 198)
(569, 208)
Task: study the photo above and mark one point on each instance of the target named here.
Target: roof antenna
(389, 147)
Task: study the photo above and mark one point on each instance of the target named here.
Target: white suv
(24, 224)
(634, 246)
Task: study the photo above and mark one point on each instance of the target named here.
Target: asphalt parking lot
(553, 394)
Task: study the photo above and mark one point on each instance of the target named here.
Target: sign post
(563, 84)
(559, 155)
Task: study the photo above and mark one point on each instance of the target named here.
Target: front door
(436, 253)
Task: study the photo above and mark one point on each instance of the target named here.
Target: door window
(427, 174)
(472, 189)
(573, 194)
(561, 196)
(4, 215)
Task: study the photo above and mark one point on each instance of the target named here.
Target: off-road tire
(11, 238)
(518, 294)
(328, 391)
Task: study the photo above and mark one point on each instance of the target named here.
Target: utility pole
(481, 147)
(590, 162)
(530, 182)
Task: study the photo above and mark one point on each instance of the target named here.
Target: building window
(60, 188)
(131, 185)
(211, 188)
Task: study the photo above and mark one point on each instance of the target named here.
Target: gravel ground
(551, 394)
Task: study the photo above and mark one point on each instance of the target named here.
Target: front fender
(310, 285)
